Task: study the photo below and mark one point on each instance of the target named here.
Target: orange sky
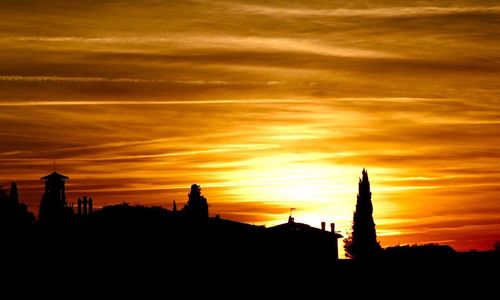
(267, 104)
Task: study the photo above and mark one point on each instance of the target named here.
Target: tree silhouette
(496, 246)
(13, 213)
(4, 195)
(362, 241)
(13, 194)
(197, 205)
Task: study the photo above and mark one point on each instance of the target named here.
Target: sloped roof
(294, 226)
(55, 175)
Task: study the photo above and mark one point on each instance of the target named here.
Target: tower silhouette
(53, 206)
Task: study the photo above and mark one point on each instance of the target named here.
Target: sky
(268, 105)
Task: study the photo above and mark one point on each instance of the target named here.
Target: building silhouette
(299, 238)
(53, 207)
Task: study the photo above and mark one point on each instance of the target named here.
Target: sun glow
(319, 192)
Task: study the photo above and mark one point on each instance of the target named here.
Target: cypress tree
(362, 243)
(13, 194)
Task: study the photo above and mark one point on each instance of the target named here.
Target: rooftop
(55, 175)
(291, 225)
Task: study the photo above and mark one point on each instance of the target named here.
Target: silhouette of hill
(428, 251)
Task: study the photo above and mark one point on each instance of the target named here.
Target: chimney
(85, 202)
(90, 206)
(332, 226)
(323, 224)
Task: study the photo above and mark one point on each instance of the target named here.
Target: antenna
(290, 218)
(54, 165)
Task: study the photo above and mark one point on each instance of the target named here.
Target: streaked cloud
(129, 80)
(223, 41)
(266, 104)
(376, 12)
(171, 102)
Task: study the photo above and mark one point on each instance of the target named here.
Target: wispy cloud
(146, 102)
(240, 42)
(379, 12)
(263, 103)
(14, 78)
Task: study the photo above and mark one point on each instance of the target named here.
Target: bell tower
(53, 204)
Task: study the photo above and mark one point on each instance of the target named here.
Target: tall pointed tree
(362, 243)
(14, 194)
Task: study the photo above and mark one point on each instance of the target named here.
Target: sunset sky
(267, 105)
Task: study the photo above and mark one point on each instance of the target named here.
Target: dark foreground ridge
(158, 251)
(156, 247)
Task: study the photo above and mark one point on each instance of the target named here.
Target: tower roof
(55, 175)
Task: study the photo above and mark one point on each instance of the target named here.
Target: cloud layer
(267, 104)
